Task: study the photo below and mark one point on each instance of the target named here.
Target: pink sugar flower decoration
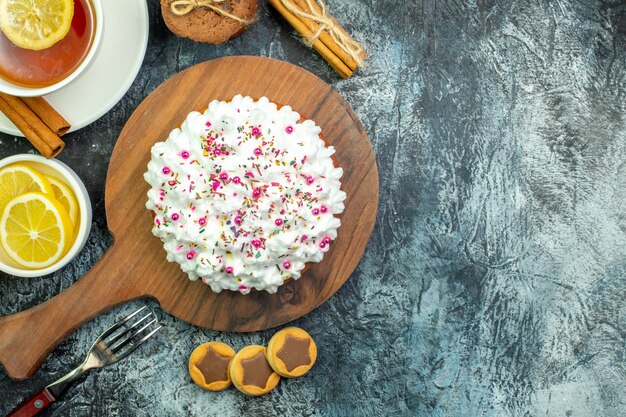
(184, 154)
(256, 131)
(304, 237)
(238, 220)
(256, 193)
(286, 264)
(316, 211)
(202, 221)
(289, 129)
(166, 170)
(191, 254)
(258, 151)
(175, 217)
(310, 179)
(224, 176)
(216, 185)
(278, 222)
(229, 269)
(256, 243)
(323, 209)
(236, 179)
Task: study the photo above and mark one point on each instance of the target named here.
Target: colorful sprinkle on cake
(244, 195)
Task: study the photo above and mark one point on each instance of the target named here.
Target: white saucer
(113, 70)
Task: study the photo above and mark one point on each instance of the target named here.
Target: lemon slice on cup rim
(36, 24)
(17, 179)
(35, 230)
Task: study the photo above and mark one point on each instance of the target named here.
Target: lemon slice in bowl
(16, 179)
(36, 24)
(64, 194)
(35, 230)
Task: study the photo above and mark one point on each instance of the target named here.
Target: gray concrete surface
(495, 280)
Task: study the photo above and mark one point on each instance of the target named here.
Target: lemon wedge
(16, 179)
(36, 24)
(35, 230)
(64, 194)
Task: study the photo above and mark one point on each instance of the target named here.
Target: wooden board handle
(27, 337)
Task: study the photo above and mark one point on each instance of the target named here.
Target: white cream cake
(244, 195)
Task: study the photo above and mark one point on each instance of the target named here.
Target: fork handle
(34, 405)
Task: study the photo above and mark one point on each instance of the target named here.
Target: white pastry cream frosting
(244, 195)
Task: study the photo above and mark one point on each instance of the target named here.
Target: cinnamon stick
(324, 36)
(326, 53)
(48, 114)
(34, 129)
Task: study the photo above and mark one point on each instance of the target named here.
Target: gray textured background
(495, 280)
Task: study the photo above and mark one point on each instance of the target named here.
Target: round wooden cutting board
(135, 265)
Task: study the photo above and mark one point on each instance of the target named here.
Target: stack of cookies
(211, 21)
(254, 370)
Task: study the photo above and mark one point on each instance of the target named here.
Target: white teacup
(22, 91)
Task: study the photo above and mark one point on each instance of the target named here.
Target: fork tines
(128, 338)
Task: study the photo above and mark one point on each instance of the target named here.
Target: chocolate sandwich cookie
(205, 21)
(209, 363)
(291, 352)
(251, 373)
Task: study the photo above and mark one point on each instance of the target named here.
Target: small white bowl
(21, 91)
(58, 169)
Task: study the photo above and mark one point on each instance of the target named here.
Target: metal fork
(116, 343)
